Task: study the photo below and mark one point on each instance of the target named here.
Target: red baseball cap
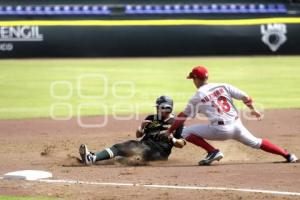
(198, 72)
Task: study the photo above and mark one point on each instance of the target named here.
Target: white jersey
(215, 101)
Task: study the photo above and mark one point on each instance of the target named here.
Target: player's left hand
(256, 113)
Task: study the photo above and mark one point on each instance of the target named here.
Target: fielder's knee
(254, 143)
(185, 133)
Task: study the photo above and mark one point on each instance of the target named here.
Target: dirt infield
(46, 144)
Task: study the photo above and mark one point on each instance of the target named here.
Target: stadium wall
(100, 39)
(105, 30)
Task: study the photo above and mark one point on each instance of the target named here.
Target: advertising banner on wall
(100, 38)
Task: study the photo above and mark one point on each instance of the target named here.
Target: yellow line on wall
(159, 22)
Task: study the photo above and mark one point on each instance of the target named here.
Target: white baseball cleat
(212, 156)
(88, 158)
(291, 158)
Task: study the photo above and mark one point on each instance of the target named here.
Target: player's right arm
(139, 133)
(141, 130)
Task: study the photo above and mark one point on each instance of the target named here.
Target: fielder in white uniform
(215, 101)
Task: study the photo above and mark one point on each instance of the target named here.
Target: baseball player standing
(215, 101)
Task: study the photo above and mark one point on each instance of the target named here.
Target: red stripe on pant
(199, 141)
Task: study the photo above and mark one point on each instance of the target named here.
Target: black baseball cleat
(291, 158)
(88, 158)
(212, 156)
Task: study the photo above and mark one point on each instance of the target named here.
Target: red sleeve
(180, 119)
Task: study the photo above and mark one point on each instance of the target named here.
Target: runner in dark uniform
(154, 144)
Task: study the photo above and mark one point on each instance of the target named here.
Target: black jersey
(158, 125)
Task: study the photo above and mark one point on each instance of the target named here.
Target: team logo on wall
(274, 35)
(9, 34)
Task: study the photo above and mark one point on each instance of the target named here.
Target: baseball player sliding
(154, 145)
(215, 100)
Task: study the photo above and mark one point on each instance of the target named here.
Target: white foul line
(168, 186)
(173, 187)
(224, 189)
(85, 182)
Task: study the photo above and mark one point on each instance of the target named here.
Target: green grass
(25, 84)
(24, 198)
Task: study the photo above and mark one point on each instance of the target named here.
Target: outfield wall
(151, 40)
(101, 30)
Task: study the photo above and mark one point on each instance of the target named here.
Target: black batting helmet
(164, 102)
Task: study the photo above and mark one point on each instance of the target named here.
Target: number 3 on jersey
(222, 105)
